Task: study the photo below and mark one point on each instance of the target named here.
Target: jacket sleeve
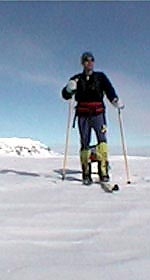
(108, 88)
(65, 94)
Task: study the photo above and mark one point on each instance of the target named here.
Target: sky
(40, 48)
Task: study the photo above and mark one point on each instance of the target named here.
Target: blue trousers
(86, 124)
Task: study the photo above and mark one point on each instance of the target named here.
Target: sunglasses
(88, 59)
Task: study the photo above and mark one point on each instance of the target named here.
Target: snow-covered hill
(25, 147)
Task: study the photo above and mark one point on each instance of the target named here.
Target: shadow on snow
(21, 173)
(68, 174)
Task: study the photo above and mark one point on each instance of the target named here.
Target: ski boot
(86, 166)
(103, 171)
(102, 156)
(86, 174)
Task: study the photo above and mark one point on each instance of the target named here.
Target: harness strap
(74, 120)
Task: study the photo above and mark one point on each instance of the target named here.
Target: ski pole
(124, 146)
(67, 139)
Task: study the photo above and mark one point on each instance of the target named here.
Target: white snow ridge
(25, 147)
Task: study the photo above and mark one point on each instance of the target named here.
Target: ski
(108, 187)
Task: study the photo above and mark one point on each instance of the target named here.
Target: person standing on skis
(89, 89)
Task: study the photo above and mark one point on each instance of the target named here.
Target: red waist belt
(89, 108)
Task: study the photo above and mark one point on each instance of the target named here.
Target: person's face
(88, 64)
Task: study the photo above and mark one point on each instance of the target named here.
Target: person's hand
(71, 87)
(118, 103)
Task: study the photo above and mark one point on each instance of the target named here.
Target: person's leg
(85, 137)
(103, 164)
(99, 126)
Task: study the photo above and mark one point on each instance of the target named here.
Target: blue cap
(87, 55)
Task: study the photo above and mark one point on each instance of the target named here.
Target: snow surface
(62, 230)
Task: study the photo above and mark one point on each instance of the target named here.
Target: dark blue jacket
(91, 88)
